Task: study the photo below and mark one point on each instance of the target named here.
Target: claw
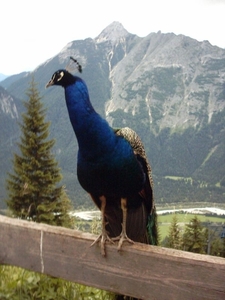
(103, 237)
(122, 238)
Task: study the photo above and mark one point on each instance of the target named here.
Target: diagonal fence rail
(139, 270)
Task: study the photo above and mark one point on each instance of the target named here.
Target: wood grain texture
(142, 271)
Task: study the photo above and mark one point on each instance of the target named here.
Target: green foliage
(194, 238)
(96, 226)
(20, 284)
(174, 237)
(217, 247)
(92, 226)
(32, 188)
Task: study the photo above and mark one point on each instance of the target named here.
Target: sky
(32, 31)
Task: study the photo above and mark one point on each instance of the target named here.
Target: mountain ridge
(3, 76)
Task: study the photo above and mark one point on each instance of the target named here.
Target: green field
(164, 221)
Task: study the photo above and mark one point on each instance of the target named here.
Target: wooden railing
(139, 270)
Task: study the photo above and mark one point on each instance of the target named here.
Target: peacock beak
(50, 83)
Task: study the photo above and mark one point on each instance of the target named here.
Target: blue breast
(116, 173)
(106, 163)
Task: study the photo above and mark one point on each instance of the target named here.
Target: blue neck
(93, 133)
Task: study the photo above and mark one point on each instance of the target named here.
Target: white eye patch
(57, 76)
(60, 76)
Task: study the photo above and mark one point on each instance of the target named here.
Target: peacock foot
(103, 237)
(122, 238)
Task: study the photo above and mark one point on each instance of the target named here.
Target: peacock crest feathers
(73, 66)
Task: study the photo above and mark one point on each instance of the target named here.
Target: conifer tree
(194, 237)
(174, 238)
(216, 248)
(33, 188)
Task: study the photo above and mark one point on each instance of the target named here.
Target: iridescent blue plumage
(111, 166)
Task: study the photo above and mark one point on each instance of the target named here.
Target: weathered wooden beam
(142, 271)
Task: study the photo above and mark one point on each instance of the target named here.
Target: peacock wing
(147, 193)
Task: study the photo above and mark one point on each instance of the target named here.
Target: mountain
(169, 88)
(8, 81)
(2, 76)
(113, 33)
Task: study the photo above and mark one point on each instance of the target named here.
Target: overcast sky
(33, 31)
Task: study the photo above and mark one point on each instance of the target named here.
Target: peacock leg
(103, 237)
(123, 236)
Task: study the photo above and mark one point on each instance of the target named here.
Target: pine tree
(174, 239)
(194, 237)
(216, 248)
(33, 189)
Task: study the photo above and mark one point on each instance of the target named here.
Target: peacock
(112, 167)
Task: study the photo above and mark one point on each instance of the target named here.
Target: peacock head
(62, 78)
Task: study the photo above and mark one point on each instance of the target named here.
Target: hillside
(10, 110)
(169, 88)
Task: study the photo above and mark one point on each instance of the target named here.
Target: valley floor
(92, 214)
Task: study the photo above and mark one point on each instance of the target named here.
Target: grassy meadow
(164, 221)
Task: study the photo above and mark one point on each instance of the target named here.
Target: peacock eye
(60, 76)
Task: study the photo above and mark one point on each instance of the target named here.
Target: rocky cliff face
(168, 88)
(8, 105)
(178, 80)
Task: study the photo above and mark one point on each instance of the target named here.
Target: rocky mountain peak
(114, 32)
